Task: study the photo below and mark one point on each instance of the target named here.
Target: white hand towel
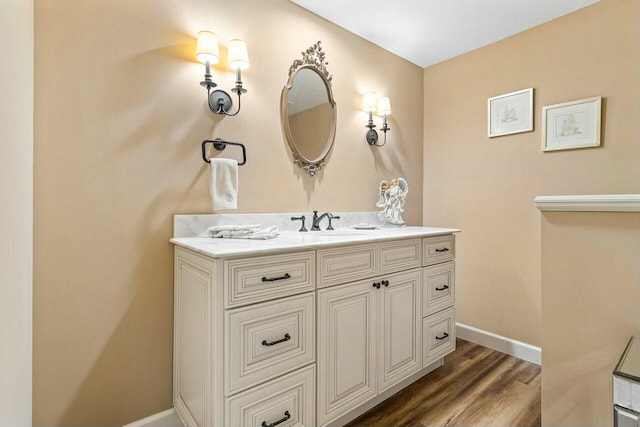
(265, 233)
(255, 232)
(224, 184)
(249, 227)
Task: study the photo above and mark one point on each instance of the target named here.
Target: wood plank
(476, 386)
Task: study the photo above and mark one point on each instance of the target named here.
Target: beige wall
(590, 309)
(16, 210)
(486, 186)
(119, 121)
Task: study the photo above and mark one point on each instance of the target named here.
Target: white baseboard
(168, 418)
(515, 348)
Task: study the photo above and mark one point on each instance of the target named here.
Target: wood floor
(476, 387)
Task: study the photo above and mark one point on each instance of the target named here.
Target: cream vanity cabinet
(308, 337)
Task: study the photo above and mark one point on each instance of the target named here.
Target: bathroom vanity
(309, 329)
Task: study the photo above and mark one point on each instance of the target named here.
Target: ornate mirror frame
(313, 58)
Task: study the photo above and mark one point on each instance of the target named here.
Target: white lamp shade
(238, 55)
(207, 49)
(369, 102)
(384, 106)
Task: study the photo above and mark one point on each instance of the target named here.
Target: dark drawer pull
(443, 337)
(273, 279)
(385, 282)
(442, 288)
(442, 250)
(376, 285)
(287, 337)
(287, 415)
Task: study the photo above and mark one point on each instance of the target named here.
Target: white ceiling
(426, 32)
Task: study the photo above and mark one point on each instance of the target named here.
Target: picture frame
(510, 113)
(574, 124)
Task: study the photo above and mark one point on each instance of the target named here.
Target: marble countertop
(294, 240)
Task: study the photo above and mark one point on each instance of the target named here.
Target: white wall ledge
(590, 203)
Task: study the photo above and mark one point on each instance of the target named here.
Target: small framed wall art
(510, 113)
(574, 124)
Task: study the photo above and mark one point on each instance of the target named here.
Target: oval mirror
(308, 111)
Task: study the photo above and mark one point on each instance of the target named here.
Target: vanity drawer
(267, 340)
(438, 249)
(400, 255)
(257, 279)
(290, 398)
(347, 264)
(438, 336)
(438, 287)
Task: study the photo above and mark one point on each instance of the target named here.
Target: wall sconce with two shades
(207, 51)
(382, 106)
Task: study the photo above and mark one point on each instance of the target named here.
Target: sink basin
(341, 232)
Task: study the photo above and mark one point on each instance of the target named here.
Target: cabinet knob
(385, 282)
(376, 285)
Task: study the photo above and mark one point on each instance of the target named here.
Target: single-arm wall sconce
(383, 107)
(207, 51)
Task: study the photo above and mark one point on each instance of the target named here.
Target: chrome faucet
(315, 224)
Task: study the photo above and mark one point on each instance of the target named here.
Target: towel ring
(220, 144)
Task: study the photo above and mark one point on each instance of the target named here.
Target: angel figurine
(392, 195)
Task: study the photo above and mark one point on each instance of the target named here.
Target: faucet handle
(330, 217)
(300, 218)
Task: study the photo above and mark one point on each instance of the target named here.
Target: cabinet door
(400, 324)
(346, 348)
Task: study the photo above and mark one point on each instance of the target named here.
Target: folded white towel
(224, 184)
(250, 227)
(263, 234)
(255, 232)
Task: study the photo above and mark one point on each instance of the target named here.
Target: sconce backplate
(220, 98)
(372, 137)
